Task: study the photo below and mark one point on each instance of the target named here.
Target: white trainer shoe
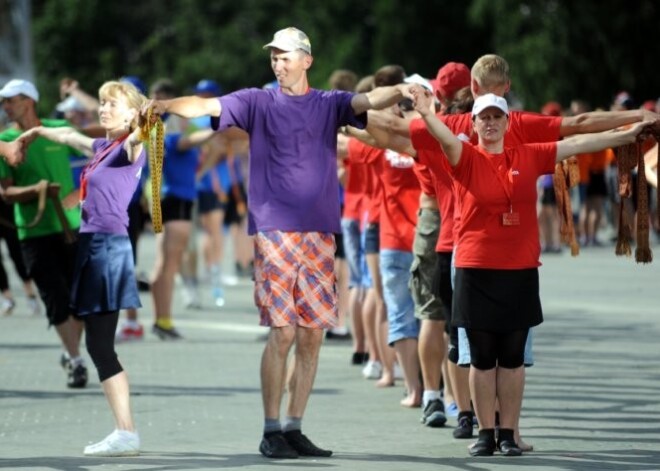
(372, 370)
(118, 443)
(34, 305)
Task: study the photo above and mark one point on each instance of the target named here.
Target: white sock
(75, 361)
(430, 395)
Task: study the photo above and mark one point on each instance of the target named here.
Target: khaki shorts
(427, 305)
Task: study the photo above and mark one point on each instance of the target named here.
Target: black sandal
(485, 444)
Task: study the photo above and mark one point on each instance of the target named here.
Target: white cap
(489, 101)
(19, 87)
(419, 80)
(290, 39)
(69, 104)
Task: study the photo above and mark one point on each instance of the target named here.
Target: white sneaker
(190, 297)
(118, 443)
(6, 306)
(34, 306)
(372, 370)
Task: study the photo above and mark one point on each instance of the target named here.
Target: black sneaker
(166, 334)
(77, 376)
(304, 445)
(359, 358)
(434, 414)
(465, 427)
(65, 361)
(274, 445)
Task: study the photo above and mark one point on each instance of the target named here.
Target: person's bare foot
(412, 400)
(385, 381)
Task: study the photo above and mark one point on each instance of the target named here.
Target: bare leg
(303, 369)
(356, 308)
(483, 387)
(70, 333)
(273, 368)
(170, 245)
(431, 350)
(116, 391)
(406, 352)
(510, 385)
(460, 383)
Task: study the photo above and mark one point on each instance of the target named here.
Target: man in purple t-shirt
(294, 212)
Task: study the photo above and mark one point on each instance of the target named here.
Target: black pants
(100, 340)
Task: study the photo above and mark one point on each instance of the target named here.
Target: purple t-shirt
(293, 185)
(110, 186)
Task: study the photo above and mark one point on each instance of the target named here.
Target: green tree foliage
(561, 50)
(557, 49)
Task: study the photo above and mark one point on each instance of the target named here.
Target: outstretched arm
(451, 145)
(62, 135)
(594, 142)
(185, 106)
(598, 121)
(382, 97)
(12, 152)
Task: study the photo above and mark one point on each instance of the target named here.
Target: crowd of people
(416, 210)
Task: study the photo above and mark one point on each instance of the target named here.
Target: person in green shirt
(48, 258)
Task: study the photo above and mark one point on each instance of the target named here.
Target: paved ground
(591, 403)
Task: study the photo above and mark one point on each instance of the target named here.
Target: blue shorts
(395, 273)
(355, 256)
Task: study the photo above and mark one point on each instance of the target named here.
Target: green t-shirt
(44, 160)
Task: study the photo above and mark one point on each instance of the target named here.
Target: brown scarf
(626, 159)
(567, 175)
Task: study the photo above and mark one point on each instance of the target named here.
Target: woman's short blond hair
(115, 89)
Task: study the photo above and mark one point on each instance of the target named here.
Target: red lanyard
(95, 163)
(507, 183)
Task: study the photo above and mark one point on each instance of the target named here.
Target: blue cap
(208, 86)
(133, 80)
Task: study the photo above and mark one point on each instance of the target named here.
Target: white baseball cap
(19, 87)
(419, 80)
(489, 100)
(290, 39)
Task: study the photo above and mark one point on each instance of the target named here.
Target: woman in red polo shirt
(497, 253)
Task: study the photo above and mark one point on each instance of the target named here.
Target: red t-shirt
(357, 173)
(483, 241)
(370, 159)
(398, 210)
(524, 127)
(425, 177)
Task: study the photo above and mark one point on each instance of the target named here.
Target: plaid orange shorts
(295, 279)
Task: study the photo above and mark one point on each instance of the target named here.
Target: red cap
(649, 105)
(551, 108)
(451, 78)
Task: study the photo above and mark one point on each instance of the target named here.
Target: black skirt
(104, 276)
(496, 300)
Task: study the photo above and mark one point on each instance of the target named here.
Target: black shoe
(434, 414)
(274, 445)
(304, 445)
(77, 376)
(485, 445)
(506, 444)
(465, 428)
(166, 334)
(359, 358)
